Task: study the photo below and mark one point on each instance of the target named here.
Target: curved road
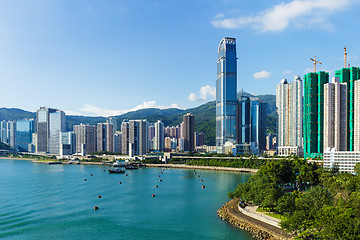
(234, 211)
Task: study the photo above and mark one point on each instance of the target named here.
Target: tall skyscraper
(289, 103)
(85, 138)
(135, 134)
(105, 137)
(189, 130)
(67, 143)
(226, 87)
(50, 123)
(335, 115)
(349, 76)
(313, 122)
(357, 115)
(113, 121)
(24, 132)
(251, 122)
(159, 143)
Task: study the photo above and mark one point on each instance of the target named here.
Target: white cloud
(300, 13)
(206, 93)
(91, 110)
(288, 72)
(262, 74)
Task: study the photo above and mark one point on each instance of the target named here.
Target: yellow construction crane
(345, 56)
(315, 61)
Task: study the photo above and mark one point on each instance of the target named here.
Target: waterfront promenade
(229, 169)
(256, 225)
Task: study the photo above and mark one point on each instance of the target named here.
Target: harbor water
(40, 201)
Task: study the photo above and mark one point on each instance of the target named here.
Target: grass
(267, 211)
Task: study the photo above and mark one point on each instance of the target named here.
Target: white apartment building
(289, 103)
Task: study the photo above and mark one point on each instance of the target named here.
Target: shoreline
(180, 166)
(257, 228)
(227, 169)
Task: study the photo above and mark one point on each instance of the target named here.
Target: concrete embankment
(81, 163)
(203, 167)
(258, 229)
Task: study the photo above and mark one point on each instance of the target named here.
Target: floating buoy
(125, 174)
(85, 179)
(194, 172)
(203, 186)
(201, 180)
(104, 170)
(198, 176)
(159, 175)
(96, 208)
(153, 195)
(161, 172)
(156, 186)
(120, 182)
(91, 175)
(160, 180)
(99, 196)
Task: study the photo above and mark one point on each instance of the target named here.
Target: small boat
(131, 167)
(116, 170)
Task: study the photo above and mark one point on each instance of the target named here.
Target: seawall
(258, 229)
(229, 169)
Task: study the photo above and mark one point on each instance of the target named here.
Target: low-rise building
(344, 160)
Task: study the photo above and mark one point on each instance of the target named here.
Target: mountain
(204, 116)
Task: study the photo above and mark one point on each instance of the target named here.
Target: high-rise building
(335, 115)
(113, 121)
(313, 122)
(226, 87)
(251, 123)
(105, 137)
(8, 133)
(349, 76)
(50, 123)
(135, 135)
(85, 138)
(159, 143)
(67, 143)
(189, 130)
(289, 103)
(24, 132)
(199, 139)
(357, 115)
(117, 142)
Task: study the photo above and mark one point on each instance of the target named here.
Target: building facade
(105, 137)
(313, 120)
(189, 130)
(159, 138)
(226, 92)
(289, 104)
(49, 124)
(24, 133)
(85, 138)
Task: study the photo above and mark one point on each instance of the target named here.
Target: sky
(108, 57)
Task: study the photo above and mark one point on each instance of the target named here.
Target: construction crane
(345, 56)
(315, 61)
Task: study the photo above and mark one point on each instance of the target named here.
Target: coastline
(258, 229)
(228, 169)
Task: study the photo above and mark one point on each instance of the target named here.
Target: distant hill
(204, 116)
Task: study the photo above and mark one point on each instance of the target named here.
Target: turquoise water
(40, 201)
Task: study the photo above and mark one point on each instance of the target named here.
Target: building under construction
(313, 124)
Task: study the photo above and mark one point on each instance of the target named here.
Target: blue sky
(106, 57)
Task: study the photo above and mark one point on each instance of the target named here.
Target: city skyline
(93, 52)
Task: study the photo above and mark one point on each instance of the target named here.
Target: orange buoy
(120, 182)
(96, 208)
(201, 180)
(85, 179)
(159, 175)
(91, 175)
(153, 195)
(156, 186)
(198, 176)
(161, 172)
(203, 186)
(194, 172)
(99, 196)
(160, 180)
(125, 174)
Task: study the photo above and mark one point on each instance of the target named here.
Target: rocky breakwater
(257, 229)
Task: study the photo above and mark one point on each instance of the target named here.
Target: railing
(262, 218)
